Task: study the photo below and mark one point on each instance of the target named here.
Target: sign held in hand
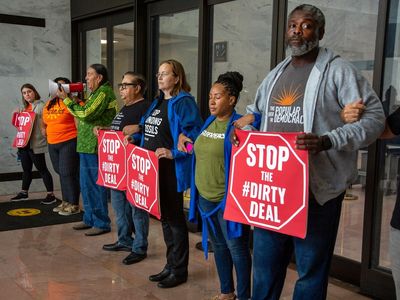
(23, 121)
(268, 183)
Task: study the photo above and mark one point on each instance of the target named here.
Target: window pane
(179, 35)
(96, 46)
(241, 42)
(123, 53)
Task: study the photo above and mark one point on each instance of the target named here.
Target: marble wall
(30, 54)
(246, 26)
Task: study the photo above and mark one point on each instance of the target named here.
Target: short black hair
(314, 11)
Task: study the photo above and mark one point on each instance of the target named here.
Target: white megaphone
(68, 87)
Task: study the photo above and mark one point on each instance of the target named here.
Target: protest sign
(268, 183)
(112, 160)
(23, 121)
(142, 179)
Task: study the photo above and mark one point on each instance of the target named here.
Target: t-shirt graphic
(285, 111)
(157, 133)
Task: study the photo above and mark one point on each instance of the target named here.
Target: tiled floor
(56, 262)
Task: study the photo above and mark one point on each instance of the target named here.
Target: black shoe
(160, 276)
(20, 196)
(133, 258)
(50, 199)
(116, 247)
(171, 281)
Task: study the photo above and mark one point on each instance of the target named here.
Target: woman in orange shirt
(33, 152)
(60, 130)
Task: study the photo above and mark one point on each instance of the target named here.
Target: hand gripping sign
(112, 160)
(268, 183)
(142, 179)
(23, 121)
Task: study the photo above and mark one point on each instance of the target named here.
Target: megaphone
(68, 87)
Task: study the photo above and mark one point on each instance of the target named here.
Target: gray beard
(305, 48)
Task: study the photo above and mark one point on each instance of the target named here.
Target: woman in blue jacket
(211, 162)
(174, 111)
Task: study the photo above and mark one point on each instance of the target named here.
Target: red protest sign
(23, 121)
(268, 183)
(112, 160)
(142, 179)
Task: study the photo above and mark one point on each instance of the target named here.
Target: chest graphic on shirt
(55, 113)
(152, 123)
(213, 135)
(285, 107)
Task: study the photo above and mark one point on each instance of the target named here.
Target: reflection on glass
(96, 46)
(242, 42)
(123, 53)
(178, 39)
(391, 101)
(350, 31)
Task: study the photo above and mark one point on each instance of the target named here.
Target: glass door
(108, 40)
(175, 35)
(377, 279)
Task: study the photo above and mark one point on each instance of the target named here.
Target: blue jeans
(272, 252)
(127, 216)
(229, 253)
(94, 196)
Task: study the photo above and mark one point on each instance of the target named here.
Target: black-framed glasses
(123, 86)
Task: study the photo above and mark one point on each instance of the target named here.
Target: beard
(306, 47)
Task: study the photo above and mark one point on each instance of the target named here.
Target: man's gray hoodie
(333, 83)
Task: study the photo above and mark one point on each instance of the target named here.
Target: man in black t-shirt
(127, 217)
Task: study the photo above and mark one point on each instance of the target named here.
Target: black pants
(65, 162)
(173, 220)
(28, 159)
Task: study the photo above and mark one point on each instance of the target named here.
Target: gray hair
(315, 13)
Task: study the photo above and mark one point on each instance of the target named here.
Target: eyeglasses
(163, 74)
(124, 86)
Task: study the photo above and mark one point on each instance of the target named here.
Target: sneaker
(50, 199)
(20, 196)
(81, 226)
(60, 207)
(69, 209)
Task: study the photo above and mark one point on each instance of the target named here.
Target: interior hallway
(56, 262)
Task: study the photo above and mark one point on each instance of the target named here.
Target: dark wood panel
(16, 176)
(20, 20)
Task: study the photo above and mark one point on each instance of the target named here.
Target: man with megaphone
(98, 110)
